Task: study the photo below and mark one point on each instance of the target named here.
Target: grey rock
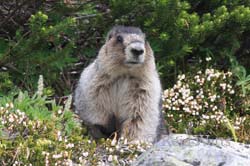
(186, 150)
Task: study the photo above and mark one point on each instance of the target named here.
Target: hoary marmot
(121, 91)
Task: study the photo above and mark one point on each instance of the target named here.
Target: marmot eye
(119, 39)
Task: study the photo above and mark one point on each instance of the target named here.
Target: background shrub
(34, 130)
(61, 33)
(207, 103)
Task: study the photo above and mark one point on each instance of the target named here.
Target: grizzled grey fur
(121, 91)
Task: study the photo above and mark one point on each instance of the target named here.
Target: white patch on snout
(130, 58)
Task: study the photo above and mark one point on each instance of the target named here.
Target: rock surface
(186, 150)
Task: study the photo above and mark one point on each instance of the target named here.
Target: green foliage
(3, 47)
(46, 51)
(241, 73)
(6, 84)
(184, 32)
(35, 130)
(40, 107)
(37, 133)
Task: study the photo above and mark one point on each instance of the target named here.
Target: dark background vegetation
(57, 39)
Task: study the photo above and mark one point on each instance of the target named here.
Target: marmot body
(121, 91)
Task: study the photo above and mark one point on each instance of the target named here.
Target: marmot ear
(149, 50)
(109, 36)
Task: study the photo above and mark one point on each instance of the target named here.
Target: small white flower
(214, 108)
(59, 111)
(56, 156)
(232, 91)
(208, 59)
(203, 122)
(70, 145)
(59, 137)
(69, 162)
(197, 77)
(110, 158)
(229, 73)
(181, 77)
(11, 119)
(111, 150)
(100, 163)
(229, 86)
(212, 116)
(85, 154)
(205, 117)
(212, 98)
(236, 127)
(223, 85)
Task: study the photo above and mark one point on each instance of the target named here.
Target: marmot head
(127, 46)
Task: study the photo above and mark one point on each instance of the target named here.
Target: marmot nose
(137, 52)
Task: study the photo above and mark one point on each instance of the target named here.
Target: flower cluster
(43, 141)
(36, 130)
(15, 122)
(122, 152)
(202, 98)
(35, 139)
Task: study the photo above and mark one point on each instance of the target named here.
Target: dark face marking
(119, 39)
(124, 29)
